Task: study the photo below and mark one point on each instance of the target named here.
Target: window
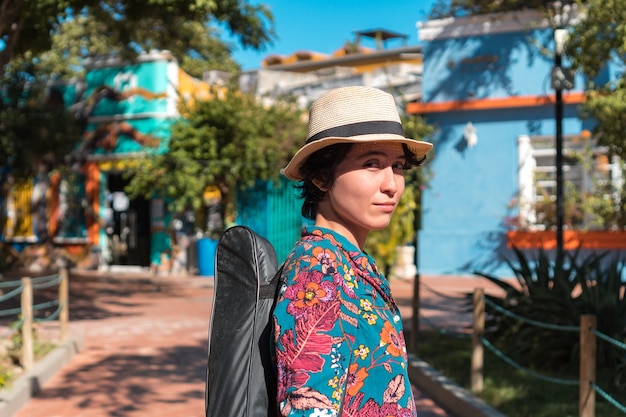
(72, 206)
(591, 184)
(18, 225)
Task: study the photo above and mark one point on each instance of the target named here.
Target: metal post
(415, 320)
(562, 13)
(559, 159)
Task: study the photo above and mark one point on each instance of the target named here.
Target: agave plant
(556, 293)
(603, 294)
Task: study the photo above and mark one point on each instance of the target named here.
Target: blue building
(487, 90)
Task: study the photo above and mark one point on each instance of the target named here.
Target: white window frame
(532, 153)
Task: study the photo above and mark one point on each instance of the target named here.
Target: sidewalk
(146, 342)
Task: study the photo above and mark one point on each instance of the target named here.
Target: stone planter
(404, 267)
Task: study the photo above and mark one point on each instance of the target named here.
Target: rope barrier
(433, 306)
(514, 364)
(8, 284)
(445, 331)
(48, 283)
(609, 339)
(11, 294)
(51, 317)
(37, 284)
(26, 309)
(43, 279)
(511, 362)
(438, 293)
(609, 398)
(43, 306)
(10, 311)
(531, 321)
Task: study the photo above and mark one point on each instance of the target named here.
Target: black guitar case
(241, 379)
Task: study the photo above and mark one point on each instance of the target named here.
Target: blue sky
(325, 25)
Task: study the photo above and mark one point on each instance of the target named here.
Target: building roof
(380, 33)
(365, 56)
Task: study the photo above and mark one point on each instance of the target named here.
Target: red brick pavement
(146, 342)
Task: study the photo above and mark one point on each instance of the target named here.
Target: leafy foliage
(35, 129)
(18, 18)
(185, 27)
(228, 141)
(48, 40)
(573, 217)
(594, 42)
(11, 365)
(557, 292)
(608, 106)
(599, 37)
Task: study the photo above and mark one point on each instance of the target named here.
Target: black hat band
(360, 128)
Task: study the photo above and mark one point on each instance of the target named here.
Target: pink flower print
(308, 292)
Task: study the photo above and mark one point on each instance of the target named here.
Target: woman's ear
(320, 184)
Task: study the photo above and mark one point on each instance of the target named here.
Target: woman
(339, 347)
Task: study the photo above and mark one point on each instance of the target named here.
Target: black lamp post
(561, 79)
(558, 114)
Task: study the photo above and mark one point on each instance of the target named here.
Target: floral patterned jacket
(338, 342)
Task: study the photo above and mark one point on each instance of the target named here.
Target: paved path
(146, 343)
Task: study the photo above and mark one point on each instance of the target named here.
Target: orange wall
(571, 240)
(492, 103)
(92, 189)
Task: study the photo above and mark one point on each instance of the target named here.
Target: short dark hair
(321, 166)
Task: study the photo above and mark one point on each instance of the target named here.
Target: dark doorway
(129, 233)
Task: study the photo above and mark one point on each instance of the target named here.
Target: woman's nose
(390, 180)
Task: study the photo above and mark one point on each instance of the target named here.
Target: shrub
(557, 292)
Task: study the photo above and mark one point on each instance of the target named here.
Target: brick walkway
(146, 343)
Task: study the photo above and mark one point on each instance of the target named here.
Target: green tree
(595, 41)
(48, 40)
(34, 125)
(123, 28)
(229, 141)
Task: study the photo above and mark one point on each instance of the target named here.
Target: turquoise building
(126, 111)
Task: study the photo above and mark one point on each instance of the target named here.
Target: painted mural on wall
(121, 111)
(113, 136)
(124, 109)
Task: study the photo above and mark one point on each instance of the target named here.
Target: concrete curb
(446, 393)
(31, 382)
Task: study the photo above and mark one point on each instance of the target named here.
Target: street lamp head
(556, 4)
(560, 37)
(560, 11)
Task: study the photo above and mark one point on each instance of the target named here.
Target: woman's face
(368, 185)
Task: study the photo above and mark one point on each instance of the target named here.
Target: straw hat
(352, 115)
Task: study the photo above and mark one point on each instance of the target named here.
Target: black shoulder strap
(269, 291)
